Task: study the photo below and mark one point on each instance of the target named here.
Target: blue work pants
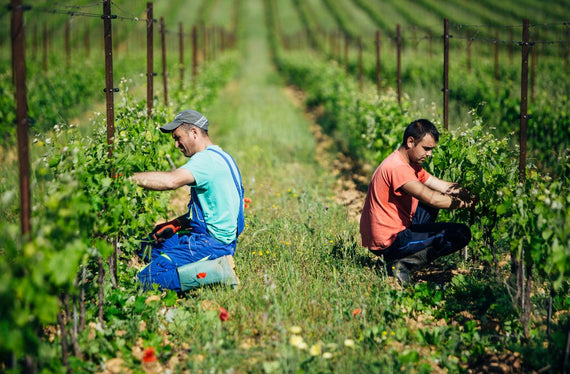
(443, 238)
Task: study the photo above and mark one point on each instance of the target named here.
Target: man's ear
(410, 142)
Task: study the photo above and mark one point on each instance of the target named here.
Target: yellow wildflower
(349, 343)
(295, 330)
(316, 349)
(298, 342)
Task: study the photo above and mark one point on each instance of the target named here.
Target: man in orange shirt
(402, 203)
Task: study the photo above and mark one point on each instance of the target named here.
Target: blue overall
(443, 237)
(181, 249)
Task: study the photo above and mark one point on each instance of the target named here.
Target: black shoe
(400, 271)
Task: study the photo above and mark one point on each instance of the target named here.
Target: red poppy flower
(223, 314)
(148, 355)
(356, 312)
(247, 200)
(246, 206)
(201, 275)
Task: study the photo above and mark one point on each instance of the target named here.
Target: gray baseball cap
(188, 116)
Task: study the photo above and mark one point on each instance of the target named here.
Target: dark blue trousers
(442, 238)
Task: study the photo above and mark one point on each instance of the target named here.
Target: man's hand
(165, 230)
(452, 197)
(461, 197)
(464, 198)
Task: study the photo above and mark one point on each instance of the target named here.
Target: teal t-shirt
(217, 192)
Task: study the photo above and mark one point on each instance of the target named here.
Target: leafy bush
(84, 203)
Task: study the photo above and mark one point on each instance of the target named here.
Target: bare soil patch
(351, 175)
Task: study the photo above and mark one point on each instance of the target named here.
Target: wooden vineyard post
(20, 96)
(445, 73)
(164, 69)
(109, 89)
(524, 273)
(149, 59)
(524, 92)
(110, 103)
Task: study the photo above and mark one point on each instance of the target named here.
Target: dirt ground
(352, 178)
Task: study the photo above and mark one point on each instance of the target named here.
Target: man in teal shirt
(196, 248)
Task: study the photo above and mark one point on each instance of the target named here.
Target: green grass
(311, 298)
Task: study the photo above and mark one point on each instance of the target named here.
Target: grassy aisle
(295, 290)
(311, 299)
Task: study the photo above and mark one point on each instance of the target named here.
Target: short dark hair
(418, 129)
(188, 126)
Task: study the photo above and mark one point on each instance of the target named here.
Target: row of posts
(19, 79)
(18, 59)
(213, 39)
(336, 47)
(526, 52)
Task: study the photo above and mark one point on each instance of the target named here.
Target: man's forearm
(434, 197)
(441, 185)
(154, 180)
(441, 200)
(455, 195)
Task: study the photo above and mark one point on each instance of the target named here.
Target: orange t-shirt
(388, 210)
